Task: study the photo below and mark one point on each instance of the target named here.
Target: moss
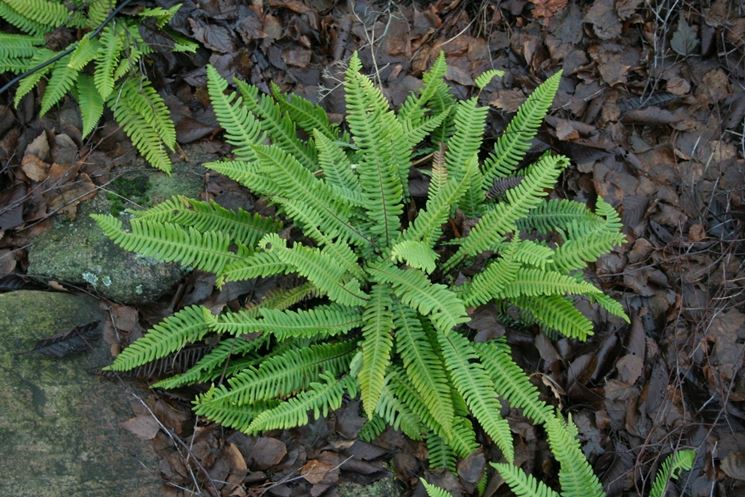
(126, 192)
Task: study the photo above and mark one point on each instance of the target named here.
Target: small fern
(94, 68)
(386, 320)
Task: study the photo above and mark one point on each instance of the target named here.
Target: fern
(188, 325)
(522, 484)
(385, 321)
(671, 467)
(92, 67)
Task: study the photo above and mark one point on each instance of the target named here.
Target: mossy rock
(387, 487)
(60, 427)
(76, 252)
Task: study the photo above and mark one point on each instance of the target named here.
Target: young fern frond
(512, 145)
(675, 463)
(186, 326)
(319, 268)
(470, 120)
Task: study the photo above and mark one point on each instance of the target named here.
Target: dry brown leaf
(35, 168)
(315, 471)
(546, 9)
(734, 465)
(143, 427)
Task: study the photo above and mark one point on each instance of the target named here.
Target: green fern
(385, 321)
(675, 463)
(95, 65)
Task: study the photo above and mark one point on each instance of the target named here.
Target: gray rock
(387, 487)
(77, 252)
(60, 425)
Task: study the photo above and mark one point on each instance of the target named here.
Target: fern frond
(511, 382)
(171, 243)
(63, 78)
(280, 374)
(307, 115)
(397, 414)
(21, 22)
(259, 264)
(512, 145)
(377, 344)
(111, 46)
(320, 321)
(439, 454)
(233, 416)
(242, 129)
(372, 429)
(427, 227)
(433, 491)
(320, 269)
(320, 399)
(486, 77)
(414, 108)
(90, 103)
(19, 46)
(29, 82)
(246, 228)
(84, 52)
(610, 305)
(556, 215)
(502, 219)
(320, 204)
(40, 16)
(245, 173)
(186, 326)
(414, 289)
(14, 65)
(161, 15)
(676, 462)
(470, 120)
(144, 117)
(523, 484)
(385, 155)
(214, 360)
(575, 474)
(530, 282)
(415, 254)
(336, 167)
(277, 126)
(556, 313)
(98, 10)
(489, 284)
(472, 381)
(423, 366)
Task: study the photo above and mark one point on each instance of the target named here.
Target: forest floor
(651, 111)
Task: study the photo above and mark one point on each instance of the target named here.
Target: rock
(77, 252)
(64, 151)
(59, 429)
(386, 487)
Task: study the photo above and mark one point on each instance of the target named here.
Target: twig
(7, 86)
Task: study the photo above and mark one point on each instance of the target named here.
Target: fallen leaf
(315, 471)
(604, 20)
(70, 342)
(11, 207)
(266, 452)
(39, 147)
(685, 39)
(734, 465)
(35, 168)
(143, 427)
